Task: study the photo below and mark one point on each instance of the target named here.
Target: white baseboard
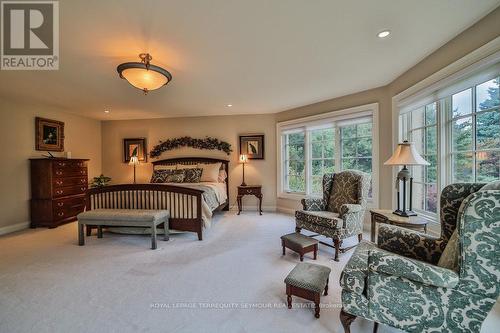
(13, 228)
(288, 211)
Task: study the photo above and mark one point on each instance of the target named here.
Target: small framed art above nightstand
(255, 190)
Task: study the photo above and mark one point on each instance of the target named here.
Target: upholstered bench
(123, 218)
(307, 281)
(300, 244)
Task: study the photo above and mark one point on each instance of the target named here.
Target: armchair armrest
(418, 271)
(409, 243)
(313, 204)
(350, 208)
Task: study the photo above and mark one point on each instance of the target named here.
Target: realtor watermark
(29, 35)
(234, 305)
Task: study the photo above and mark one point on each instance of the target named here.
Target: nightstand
(249, 190)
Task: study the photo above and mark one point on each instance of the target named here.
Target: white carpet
(232, 281)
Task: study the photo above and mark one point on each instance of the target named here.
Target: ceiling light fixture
(384, 33)
(143, 75)
(229, 105)
(106, 111)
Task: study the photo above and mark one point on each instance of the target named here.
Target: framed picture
(252, 146)
(49, 134)
(135, 147)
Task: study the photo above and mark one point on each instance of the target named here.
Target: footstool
(307, 281)
(300, 244)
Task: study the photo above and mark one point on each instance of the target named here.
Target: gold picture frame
(49, 134)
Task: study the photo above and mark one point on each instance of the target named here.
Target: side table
(386, 216)
(249, 190)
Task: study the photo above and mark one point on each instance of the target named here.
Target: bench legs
(153, 237)
(99, 231)
(81, 235)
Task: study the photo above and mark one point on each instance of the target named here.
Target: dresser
(58, 189)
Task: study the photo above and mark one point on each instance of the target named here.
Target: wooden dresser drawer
(74, 181)
(65, 191)
(69, 172)
(66, 208)
(71, 164)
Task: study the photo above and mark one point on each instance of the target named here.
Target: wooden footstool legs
(306, 294)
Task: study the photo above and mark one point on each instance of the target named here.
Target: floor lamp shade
(405, 154)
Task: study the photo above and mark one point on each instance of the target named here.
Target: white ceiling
(262, 56)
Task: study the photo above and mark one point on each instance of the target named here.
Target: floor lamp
(405, 154)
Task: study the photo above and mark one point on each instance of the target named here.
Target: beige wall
(225, 128)
(17, 125)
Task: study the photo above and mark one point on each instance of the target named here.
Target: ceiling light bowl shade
(143, 75)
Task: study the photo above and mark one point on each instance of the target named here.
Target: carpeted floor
(232, 281)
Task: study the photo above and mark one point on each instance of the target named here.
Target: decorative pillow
(449, 257)
(159, 176)
(222, 176)
(162, 176)
(210, 172)
(491, 186)
(175, 177)
(192, 175)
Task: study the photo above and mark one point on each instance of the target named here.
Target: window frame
(362, 111)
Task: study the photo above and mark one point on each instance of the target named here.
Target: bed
(191, 205)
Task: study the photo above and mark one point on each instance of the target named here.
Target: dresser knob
(60, 214)
(83, 188)
(59, 182)
(82, 181)
(60, 204)
(59, 173)
(59, 192)
(61, 164)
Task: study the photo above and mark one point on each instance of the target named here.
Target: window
(322, 147)
(475, 128)
(459, 135)
(309, 149)
(294, 162)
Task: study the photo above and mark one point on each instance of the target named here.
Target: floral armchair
(339, 214)
(420, 283)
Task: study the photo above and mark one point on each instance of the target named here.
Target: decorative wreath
(187, 141)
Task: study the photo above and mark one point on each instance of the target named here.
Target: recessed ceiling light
(384, 33)
(106, 111)
(229, 105)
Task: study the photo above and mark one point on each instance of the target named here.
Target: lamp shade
(134, 160)
(243, 158)
(406, 154)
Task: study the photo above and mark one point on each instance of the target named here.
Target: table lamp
(243, 159)
(405, 154)
(134, 160)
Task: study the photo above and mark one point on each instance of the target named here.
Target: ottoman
(300, 244)
(307, 281)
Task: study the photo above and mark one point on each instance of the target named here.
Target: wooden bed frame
(176, 199)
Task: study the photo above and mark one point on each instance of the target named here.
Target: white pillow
(210, 172)
(187, 166)
(166, 167)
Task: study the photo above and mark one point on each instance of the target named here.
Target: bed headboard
(195, 160)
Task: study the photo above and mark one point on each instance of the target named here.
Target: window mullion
(307, 160)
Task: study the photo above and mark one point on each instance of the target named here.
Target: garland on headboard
(187, 141)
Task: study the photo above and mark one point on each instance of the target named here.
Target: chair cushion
(299, 239)
(309, 276)
(449, 257)
(322, 218)
(346, 189)
(127, 215)
(353, 277)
